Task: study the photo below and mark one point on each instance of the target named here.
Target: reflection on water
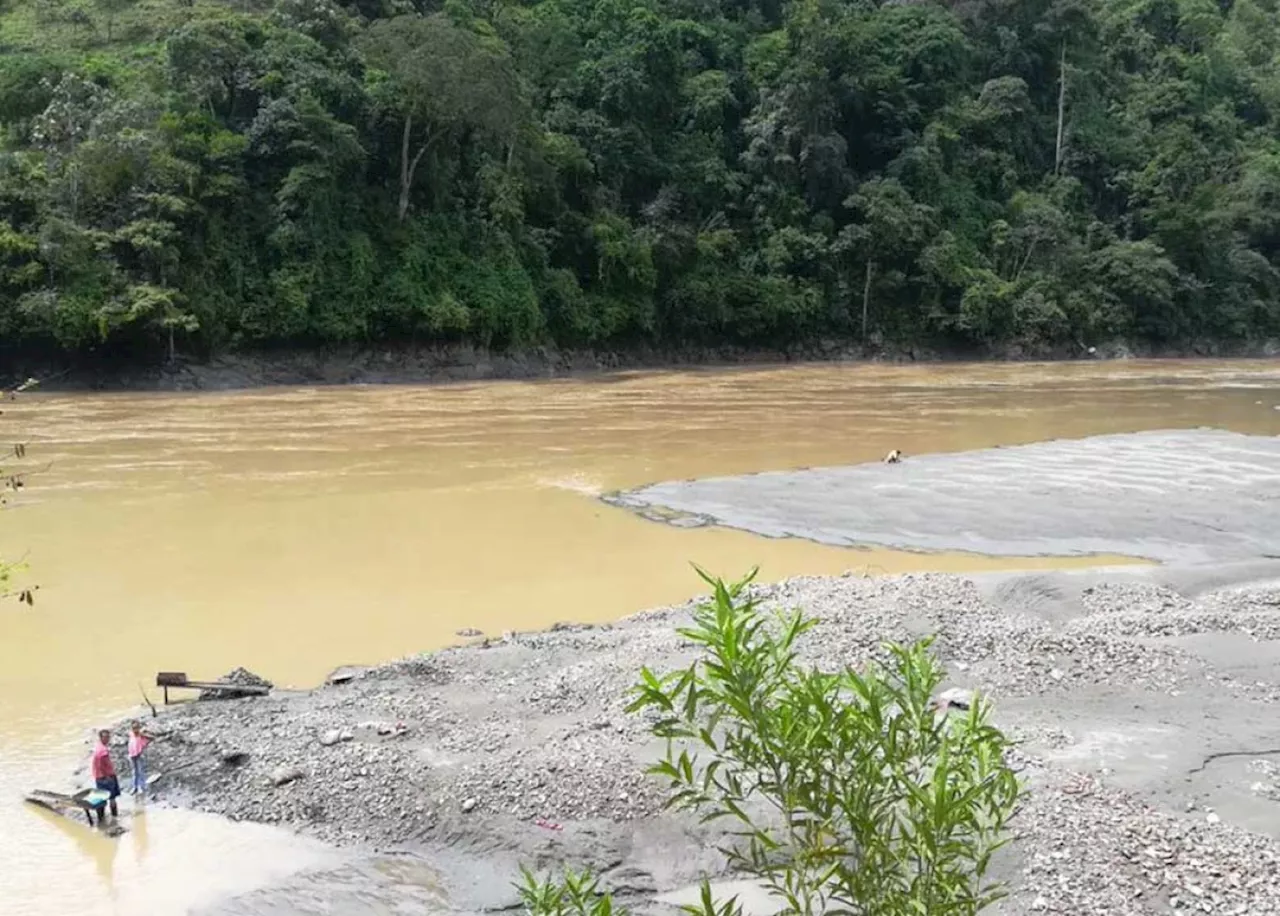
(165, 862)
(291, 531)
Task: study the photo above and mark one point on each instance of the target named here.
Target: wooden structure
(179, 679)
(88, 801)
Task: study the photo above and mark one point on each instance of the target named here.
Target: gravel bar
(1151, 750)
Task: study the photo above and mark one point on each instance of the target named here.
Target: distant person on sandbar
(103, 770)
(138, 741)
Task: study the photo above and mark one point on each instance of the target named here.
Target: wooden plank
(60, 803)
(254, 689)
(57, 801)
(64, 805)
(179, 679)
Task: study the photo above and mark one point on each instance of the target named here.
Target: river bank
(465, 363)
(1143, 696)
(291, 530)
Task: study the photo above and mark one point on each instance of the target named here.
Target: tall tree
(442, 81)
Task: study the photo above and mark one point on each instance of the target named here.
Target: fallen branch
(146, 699)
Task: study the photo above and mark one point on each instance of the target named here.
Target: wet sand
(1187, 496)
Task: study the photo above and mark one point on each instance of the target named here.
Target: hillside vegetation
(196, 175)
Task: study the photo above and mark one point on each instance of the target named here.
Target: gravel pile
(1117, 611)
(1094, 850)
(499, 745)
(239, 677)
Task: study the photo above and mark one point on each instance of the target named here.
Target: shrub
(845, 792)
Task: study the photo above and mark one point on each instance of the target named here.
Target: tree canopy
(197, 175)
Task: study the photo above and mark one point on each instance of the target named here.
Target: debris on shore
(235, 681)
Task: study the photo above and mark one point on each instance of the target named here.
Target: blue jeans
(139, 774)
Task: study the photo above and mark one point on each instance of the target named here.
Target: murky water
(291, 531)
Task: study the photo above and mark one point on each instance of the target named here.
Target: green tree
(638, 173)
(445, 81)
(891, 226)
(111, 9)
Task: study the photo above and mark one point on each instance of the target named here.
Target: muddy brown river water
(294, 530)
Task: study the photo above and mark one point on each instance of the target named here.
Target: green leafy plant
(847, 792)
(575, 894)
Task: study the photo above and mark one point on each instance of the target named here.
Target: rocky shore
(1145, 701)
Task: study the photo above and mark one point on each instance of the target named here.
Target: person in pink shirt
(103, 770)
(138, 742)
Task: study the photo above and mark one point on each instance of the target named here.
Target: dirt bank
(450, 363)
(1150, 749)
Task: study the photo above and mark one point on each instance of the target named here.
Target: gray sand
(1184, 495)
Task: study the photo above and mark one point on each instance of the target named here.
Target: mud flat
(1188, 496)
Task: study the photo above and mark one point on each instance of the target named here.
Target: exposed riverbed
(293, 530)
(1153, 770)
(1188, 496)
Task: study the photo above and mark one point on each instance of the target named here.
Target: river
(293, 530)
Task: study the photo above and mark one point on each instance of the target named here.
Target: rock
(470, 805)
(233, 757)
(344, 675)
(239, 677)
(469, 632)
(1213, 818)
(956, 698)
(330, 738)
(282, 775)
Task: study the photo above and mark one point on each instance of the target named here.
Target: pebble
(282, 775)
(536, 727)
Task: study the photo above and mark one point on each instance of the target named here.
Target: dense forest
(199, 175)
